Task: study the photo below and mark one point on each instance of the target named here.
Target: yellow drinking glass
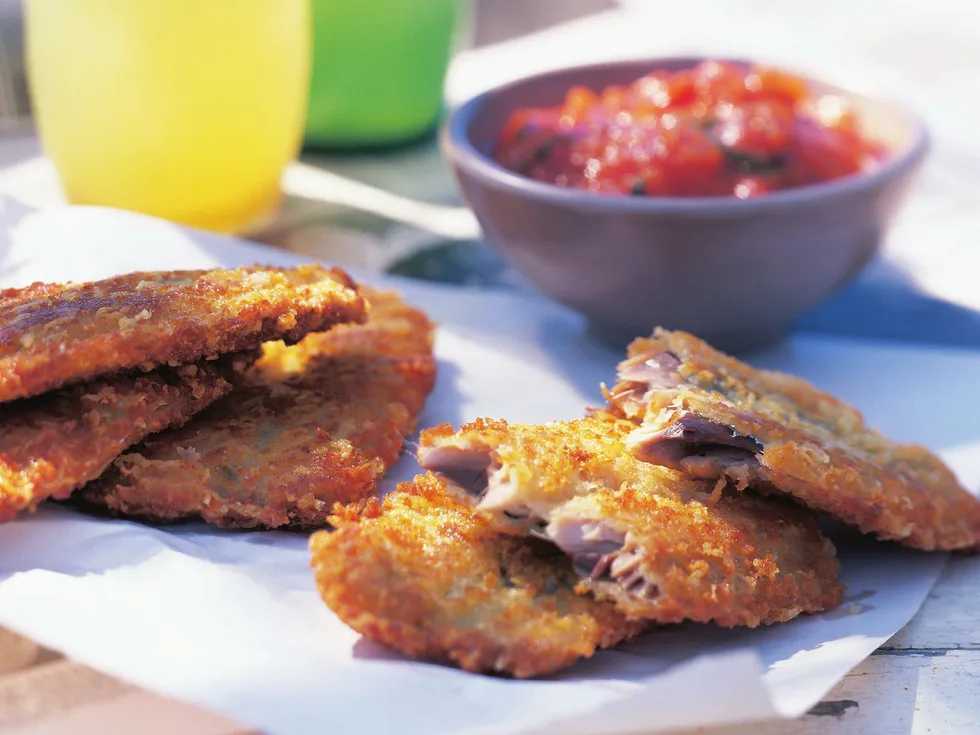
(184, 109)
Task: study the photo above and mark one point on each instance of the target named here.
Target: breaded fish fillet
(660, 545)
(52, 334)
(52, 444)
(424, 573)
(309, 426)
(711, 416)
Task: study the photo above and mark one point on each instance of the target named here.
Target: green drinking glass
(378, 70)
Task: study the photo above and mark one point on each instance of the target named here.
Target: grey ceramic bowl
(735, 272)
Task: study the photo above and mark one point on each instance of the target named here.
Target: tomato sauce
(718, 129)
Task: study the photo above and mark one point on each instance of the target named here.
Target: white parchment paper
(231, 621)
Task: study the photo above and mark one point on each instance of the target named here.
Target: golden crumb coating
(662, 545)
(310, 425)
(424, 573)
(54, 443)
(731, 559)
(55, 334)
(710, 415)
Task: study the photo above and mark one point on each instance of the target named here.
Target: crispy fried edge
(57, 442)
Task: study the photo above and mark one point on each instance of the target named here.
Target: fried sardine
(308, 426)
(54, 334)
(711, 416)
(424, 573)
(660, 545)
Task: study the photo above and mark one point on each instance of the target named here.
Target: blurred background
(343, 164)
(485, 21)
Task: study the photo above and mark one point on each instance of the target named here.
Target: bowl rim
(458, 147)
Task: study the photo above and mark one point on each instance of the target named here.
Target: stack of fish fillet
(254, 397)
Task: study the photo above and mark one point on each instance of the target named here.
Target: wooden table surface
(926, 679)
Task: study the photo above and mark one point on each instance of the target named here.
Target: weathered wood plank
(891, 693)
(924, 681)
(949, 617)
